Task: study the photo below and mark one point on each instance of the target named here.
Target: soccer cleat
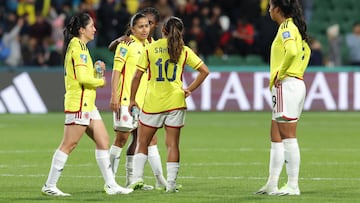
(147, 187)
(267, 190)
(171, 187)
(160, 187)
(136, 185)
(116, 189)
(163, 187)
(53, 191)
(287, 190)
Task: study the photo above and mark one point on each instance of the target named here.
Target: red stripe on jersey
(82, 96)
(74, 68)
(183, 65)
(122, 83)
(148, 66)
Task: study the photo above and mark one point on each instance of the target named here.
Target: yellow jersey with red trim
(80, 81)
(290, 54)
(126, 57)
(165, 86)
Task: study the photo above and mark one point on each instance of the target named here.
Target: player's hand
(114, 104)
(132, 103)
(277, 83)
(104, 82)
(187, 92)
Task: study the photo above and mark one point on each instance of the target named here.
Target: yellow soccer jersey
(126, 57)
(290, 54)
(164, 92)
(80, 83)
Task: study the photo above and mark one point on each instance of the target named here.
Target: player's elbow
(204, 70)
(291, 54)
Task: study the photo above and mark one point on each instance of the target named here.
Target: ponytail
(71, 30)
(173, 28)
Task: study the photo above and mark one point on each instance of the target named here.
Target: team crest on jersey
(123, 51)
(83, 58)
(286, 34)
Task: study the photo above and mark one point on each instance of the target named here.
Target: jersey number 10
(160, 67)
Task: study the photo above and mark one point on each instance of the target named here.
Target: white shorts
(288, 100)
(82, 118)
(175, 119)
(123, 121)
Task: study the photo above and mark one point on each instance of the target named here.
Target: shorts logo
(125, 118)
(86, 115)
(83, 58)
(122, 51)
(286, 35)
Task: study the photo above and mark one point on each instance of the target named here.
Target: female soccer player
(290, 55)
(126, 57)
(164, 103)
(81, 114)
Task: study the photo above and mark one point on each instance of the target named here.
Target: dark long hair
(173, 28)
(153, 11)
(80, 20)
(133, 22)
(147, 10)
(292, 8)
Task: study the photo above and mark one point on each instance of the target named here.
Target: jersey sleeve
(84, 74)
(142, 64)
(121, 54)
(289, 42)
(193, 60)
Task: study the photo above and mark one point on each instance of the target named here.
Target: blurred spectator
(186, 12)
(194, 35)
(113, 18)
(334, 56)
(243, 37)
(57, 31)
(132, 6)
(10, 39)
(213, 33)
(225, 41)
(353, 45)
(307, 9)
(264, 7)
(164, 8)
(266, 31)
(41, 29)
(316, 58)
(27, 7)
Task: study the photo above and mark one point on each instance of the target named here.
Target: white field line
(195, 150)
(188, 177)
(3, 166)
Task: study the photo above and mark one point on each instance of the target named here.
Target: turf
(224, 158)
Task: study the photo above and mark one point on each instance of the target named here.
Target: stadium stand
(329, 12)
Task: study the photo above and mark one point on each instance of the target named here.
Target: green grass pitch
(224, 158)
